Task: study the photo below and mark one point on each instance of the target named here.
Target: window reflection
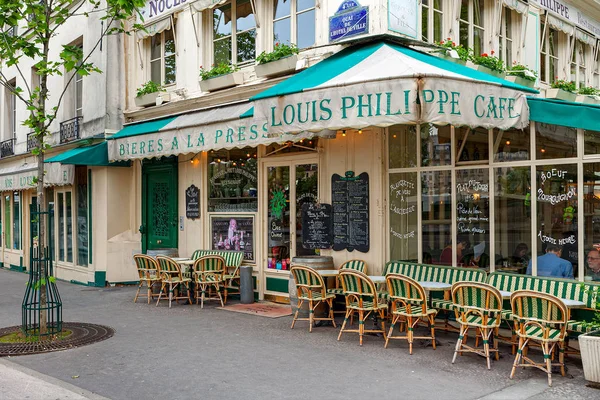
(435, 145)
(555, 141)
(436, 198)
(403, 218)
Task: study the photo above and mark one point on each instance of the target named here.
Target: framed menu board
(350, 201)
(316, 226)
(234, 233)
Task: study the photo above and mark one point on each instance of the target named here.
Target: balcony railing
(69, 129)
(32, 141)
(7, 148)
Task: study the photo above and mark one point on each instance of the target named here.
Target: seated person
(592, 268)
(462, 245)
(520, 255)
(550, 264)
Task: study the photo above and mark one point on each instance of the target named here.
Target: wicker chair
(171, 275)
(409, 306)
(357, 265)
(477, 305)
(361, 298)
(148, 272)
(208, 273)
(541, 318)
(311, 288)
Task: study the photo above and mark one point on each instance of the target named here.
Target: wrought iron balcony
(7, 148)
(69, 129)
(32, 141)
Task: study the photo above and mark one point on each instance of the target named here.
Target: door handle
(142, 229)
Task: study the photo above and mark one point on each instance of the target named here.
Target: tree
(42, 21)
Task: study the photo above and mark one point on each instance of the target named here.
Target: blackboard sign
(192, 202)
(350, 200)
(316, 226)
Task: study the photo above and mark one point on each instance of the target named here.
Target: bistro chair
(479, 306)
(311, 288)
(357, 265)
(171, 275)
(208, 273)
(409, 306)
(361, 298)
(540, 318)
(148, 272)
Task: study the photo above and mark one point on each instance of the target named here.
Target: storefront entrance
(159, 205)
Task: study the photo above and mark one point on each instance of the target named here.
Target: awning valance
(382, 84)
(24, 176)
(201, 5)
(560, 24)
(564, 113)
(154, 28)
(93, 156)
(516, 5)
(585, 37)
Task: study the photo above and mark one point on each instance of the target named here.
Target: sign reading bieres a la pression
(569, 13)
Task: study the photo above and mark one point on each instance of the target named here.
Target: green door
(159, 206)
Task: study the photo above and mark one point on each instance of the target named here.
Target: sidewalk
(188, 353)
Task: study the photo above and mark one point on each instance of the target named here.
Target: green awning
(93, 156)
(565, 113)
(142, 128)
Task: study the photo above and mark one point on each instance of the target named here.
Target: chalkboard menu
(350, 201)
(316, 226)
(192, 202)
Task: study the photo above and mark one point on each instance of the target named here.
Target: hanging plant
(277, 203)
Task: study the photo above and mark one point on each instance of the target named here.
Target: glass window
(555, 141)
(596, 75)
(61, 225)
(549, 55)
(16, 221)
(471, 145)
(432, 20)
(402, 144)
(294, 22)
(512, 204)
(278, 231)
(7, 221)
(232, 180)
(234, 33)
(591, 204)
(592, 142)
(471, 25)
(578, 64)
(404, 232)
(162, 58)
(511, 145)
(436, 200)
(79, 91)
(307, 186)
(11, 110)
(505, 52)
(82, 216)
(69, 226)
(557, 220)
(435, 145)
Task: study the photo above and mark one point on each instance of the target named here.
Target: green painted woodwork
(99, 279)
(90, 225)
(277, 285)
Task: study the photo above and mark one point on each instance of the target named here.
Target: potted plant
(281, 61)
(562, 90)
(490, 64)
(587, 95)
(148, 93)
(221, 76)
(589, 346)
(521, 75)
(453, 52)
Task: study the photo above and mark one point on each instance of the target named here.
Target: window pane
(511, 145)
(464, 34)
(170, 72)
(82, 221)
(543, 74)
(281, 31)
(402, 144)
(79, 96)
(169, 43)
(61, 226)
(222, 50)
(155, 71)
(7, 222)
(424, 23)
(435, 145)
(438, 27)
(245, 17)
(155, 47)
(478, 10)
(304, 4)
(278, 239)
(281, 8)
(222, 21)
(475, 147)
(305, 29)
(69, 223)
(557, 220)
(16, 221)
(436, 189)
(246, 46)
(232, 180)
(403, 218)
(591, 204)
(555, 141)
(513, 218)
(307, 184)
(477, 41)
(464, 10)
(592, 142)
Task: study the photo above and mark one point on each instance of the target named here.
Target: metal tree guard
(41, 284)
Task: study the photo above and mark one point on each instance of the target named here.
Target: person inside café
(550, 264)
(461, 246)
(592, 269)
(520, 256)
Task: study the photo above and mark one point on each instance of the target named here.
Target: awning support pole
(195, 28)
(140, 54)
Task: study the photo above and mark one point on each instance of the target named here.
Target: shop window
(278, 217)
(512, 202)
(292, 147)
(592, 142)
(307, 191)
(65, 226)
(507, 28)
(471, 25)
(555, 141)
(162, 58)
(549, 55)
(511, 145)
(591, 226)
(557, 213)
(436, 219)
(578, 63)
(294, 22)
(82, 215)
(234, 33)
(7, 222)
(471, 145)
(16, 199)
(436, 145)
(432, 20)
(404, 230)
(402, 144)
(232, 180)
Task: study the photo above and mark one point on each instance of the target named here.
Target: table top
(505, 294)
(377, 278)
(185, 261)
(328, 272)
(569, 303)
(428, 285)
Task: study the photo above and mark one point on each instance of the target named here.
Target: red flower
(449, 39)
(276, 44)
(492, 52)
(453, 44)
(484, 55)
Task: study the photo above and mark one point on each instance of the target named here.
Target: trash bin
(315, 262)
(246, 285)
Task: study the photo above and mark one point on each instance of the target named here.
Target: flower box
(222, 81)
(584, 98)
(488, 71)
(452, 59)
(283, 66)
(589, 345)
(150, 99)
(560, 94)
(519, 80)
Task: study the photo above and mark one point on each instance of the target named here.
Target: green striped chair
(479, 306)
(208, 272)
(148, 272)
(171, 275)
(362, 299)
(356, 265)
(311, 289)
(540, 318)
(231, 277)
(409, 306)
